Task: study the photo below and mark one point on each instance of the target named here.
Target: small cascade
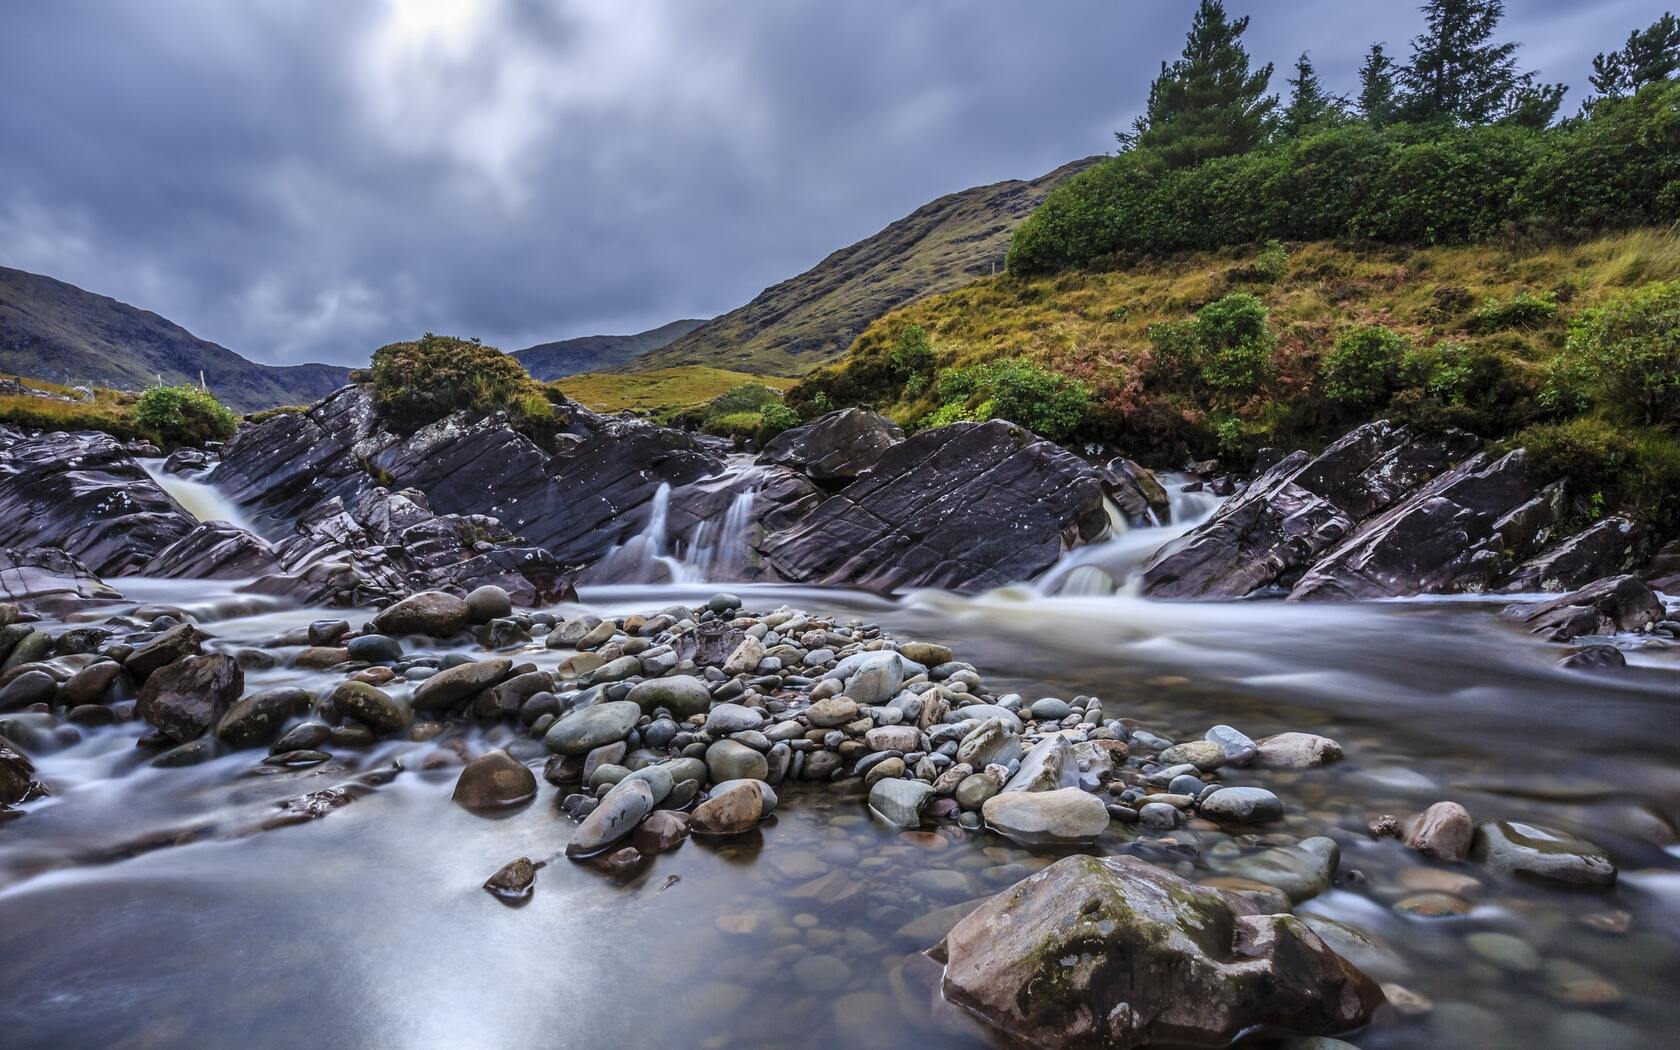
(198, 497)
(722, 551)
(1111, 566)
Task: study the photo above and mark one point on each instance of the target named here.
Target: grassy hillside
(810, 319)
(1479, 325)
(663, 392)
(597, 353)
(55, 331)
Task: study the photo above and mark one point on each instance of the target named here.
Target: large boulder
(967, 507)
(1605, 548)
(1114, 953)
(1618, 603)
(1448, 537)
(1303, 506)
(34, 574)
(84, 493)
(187, 697)
(214, 550)
(834, 449)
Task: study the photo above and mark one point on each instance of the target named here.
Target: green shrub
(1272, 262)
(955, 411)
(817, 405)
(748, 397)
(1175, 360)
(1626, 355)
(1021, 391)
(419, 382)
(1606, 464)
(1363, 370)
(183, 415)
(773, 419)
(1236, 342)
(913, 355)
(1522, 311)
(1438, 184)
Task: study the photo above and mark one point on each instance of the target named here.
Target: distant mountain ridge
(597, 353)
(53, 330)
(809, 320)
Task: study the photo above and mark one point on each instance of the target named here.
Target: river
(144, 907)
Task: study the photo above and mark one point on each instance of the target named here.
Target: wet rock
(305, 737)
(1608, 547)
(1205, 755)
(682, 695)
(974, 789)
(1137, 492)
(988, 743)
(877, 679)
(1043, 818)
(456, 684)
(1444, 830)
(1159, 816)
(582, 731)
(733, 810)
(374, 649)
(729, 760)
(1542, 854)
(1594, 658)
(1242, 805)
(1302, 871)
(257, 719)
(1296, 751)
(832, 711)
(513, 881)
(1048, 766)
(17, 776)
(725, 719)
(92, 683)
(30, 687)
(746, 657)
(431, 613)
(928, 654)
(1618, 603)
(48, 574)
(1115, 953)
(832, 450)
(487, 603)
(371, 706)
(187, 697)
(900, 802)
(214, 550)
(1024, 500)
(495, 780)
(176, 643)
(663, 830)
(621, 809)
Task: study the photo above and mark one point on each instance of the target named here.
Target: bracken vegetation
(167, 416)
(420, 382)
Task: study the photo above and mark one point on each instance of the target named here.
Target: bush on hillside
(420, 382)
(1522, 311)
(773, 419)
(1364, 368)
(1610, 466)
(1021, 391)
(1616, 169)
(183, 415)
(1626, 355)
(1227, 348)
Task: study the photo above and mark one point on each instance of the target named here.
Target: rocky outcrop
(1115, 953)
(86, 494)
(214, 550)
(1137, 493)
(1387, 511)
(967, 506)
(1284, 521)
(1618, 603)
(38, 574)
(832, 450)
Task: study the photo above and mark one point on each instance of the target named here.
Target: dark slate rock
(967, 507)
(834, 449)
(1606, 548)
(1617, 603)
(47, 573)
(214, 550)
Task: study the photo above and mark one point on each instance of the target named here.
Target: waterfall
(718, 551)
(722, 551)
(197, 497)
(1110, 566)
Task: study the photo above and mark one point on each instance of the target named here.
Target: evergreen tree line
(1455, 144)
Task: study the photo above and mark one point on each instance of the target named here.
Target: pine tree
(1458, 73)
(1378, 89)
(1207, 103)
(1309, 103)
(1650, 55)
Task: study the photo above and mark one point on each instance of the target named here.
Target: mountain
(811, 319)
(595, 353)
(55, 331)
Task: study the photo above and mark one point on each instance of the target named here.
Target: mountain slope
(811, 319)
(596, 353)
(56, 331)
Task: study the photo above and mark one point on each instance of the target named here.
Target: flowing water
(144, 907)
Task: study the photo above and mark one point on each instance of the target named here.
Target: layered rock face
(1115, 953)
(967, 506)
(1388, 511)
(834, 449)
(85, 494)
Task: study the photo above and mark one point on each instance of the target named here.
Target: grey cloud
(306, 180)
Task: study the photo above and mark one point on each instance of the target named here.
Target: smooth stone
(893, 738)
(494, 780)
(732, 718)
(582, 731)
(1041, 818)
(900, 802)
(1296, 751)
(1205, 755)
(1050, 709)
(374, 649)
(661, 831)
(1303, 870)
(733, 811)
(1242, 805)
(877, 680)
(371, 706)
(1159, 816)
(1237, 748)
(1539, 853)
(431, 613)
(487, 603)
(620, 810)
(456, 684)
(730, 760)
(682, 695)
(1444, 830)
(258, 718)
(832, 711)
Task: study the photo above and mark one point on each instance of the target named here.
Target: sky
(306, 180)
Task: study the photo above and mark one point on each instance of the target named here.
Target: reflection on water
(368, 928)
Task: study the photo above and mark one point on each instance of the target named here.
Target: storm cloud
(308, 179)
